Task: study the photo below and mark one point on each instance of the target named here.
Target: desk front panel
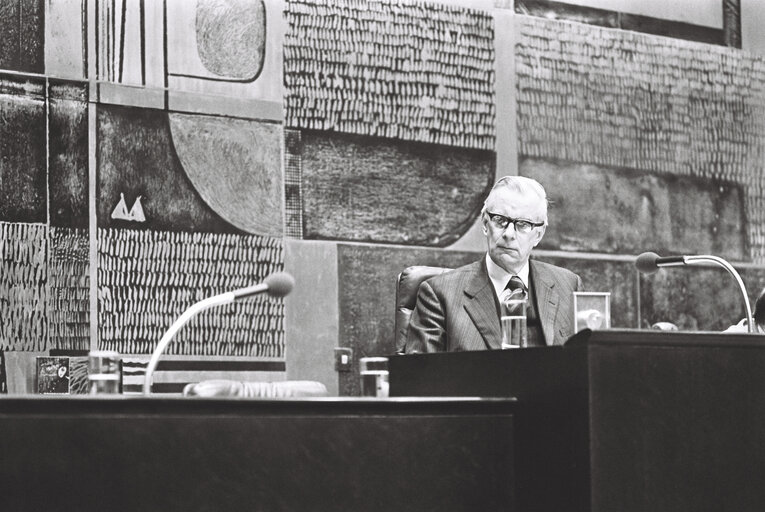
(164, 454)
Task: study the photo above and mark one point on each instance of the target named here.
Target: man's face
(508, 248)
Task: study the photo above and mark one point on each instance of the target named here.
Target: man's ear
(484, 228)
(540, 233)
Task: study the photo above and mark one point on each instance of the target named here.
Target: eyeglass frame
(514, 222)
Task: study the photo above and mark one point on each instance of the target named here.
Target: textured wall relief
(235, 165)
(68, 155)
(23, 292)
(69, 289)
(696, 298)
(418, 71)
(137, 159)
(661, 212)
(633, 101)
(161, 247)
(146, 279)
(22, 150)
(372, 189)
(129, 42)
(230, 48)
(66, 38)
(231, 37)
(22, 35)
(293, 177)
(226, 48)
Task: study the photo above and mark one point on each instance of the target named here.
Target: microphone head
(646, 262)
(279, 284)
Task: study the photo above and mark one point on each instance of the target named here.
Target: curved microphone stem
(695, 260)
(217, 300)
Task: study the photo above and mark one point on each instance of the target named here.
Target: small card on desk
(52, 375)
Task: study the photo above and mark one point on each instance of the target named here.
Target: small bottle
(104, 372)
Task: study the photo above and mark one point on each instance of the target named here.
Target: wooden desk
(622, 420)
(184, 454)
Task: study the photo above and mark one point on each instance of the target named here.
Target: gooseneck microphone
(650, 262)
(275, 285)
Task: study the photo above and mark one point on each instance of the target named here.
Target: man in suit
(459, 310)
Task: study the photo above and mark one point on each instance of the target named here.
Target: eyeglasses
(521, 225)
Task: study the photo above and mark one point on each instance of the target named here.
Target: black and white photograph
(382, 255)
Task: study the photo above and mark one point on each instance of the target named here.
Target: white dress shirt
(500, 277)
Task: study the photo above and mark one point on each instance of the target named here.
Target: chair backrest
(407, 284)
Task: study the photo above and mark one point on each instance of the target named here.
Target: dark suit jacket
(457, 310)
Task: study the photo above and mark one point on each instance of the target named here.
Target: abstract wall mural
(137, 158)
(44, 183)
(173, 232)
(228, 48)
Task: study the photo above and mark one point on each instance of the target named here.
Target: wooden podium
(621, 420)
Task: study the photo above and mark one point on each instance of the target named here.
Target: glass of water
(374, 376)
(104, 372)
(514, 330)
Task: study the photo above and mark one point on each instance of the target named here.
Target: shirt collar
(500, 277)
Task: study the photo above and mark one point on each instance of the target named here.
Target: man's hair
(522, 185)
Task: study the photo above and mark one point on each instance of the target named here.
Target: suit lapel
(547, 301)
(482, 307)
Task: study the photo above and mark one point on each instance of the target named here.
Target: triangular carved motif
(135, 214)
(120, 211)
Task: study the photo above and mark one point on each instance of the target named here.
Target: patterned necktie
(514, 290)
(516, 287)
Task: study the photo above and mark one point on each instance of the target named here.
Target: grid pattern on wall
(629, 100)
(417, 71)
(147, 279)
(69, 289)
(293, 177)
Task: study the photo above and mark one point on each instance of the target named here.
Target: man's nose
(509, 232)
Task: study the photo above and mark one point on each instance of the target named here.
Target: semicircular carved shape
(235, 165)
(370, 189)
(231, 37)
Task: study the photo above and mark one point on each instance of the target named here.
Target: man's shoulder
(457, 274)
(542, 266)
